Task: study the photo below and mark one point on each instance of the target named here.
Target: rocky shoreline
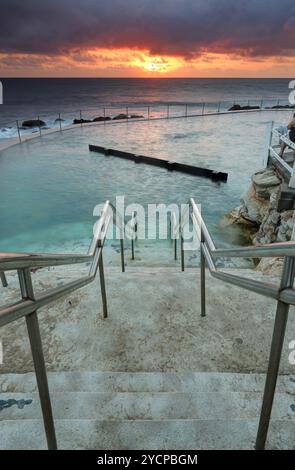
(262, 216)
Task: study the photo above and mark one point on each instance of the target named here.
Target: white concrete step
(146, 405)
(141, 435)
(89, 381)
(154, 325)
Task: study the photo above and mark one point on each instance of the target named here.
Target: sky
(147, 38)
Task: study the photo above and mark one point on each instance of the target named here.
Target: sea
(69, 98)
(50, 185)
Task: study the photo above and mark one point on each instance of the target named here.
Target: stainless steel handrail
(134, 228)
(284, 294)
(30, 303)
(3, 279)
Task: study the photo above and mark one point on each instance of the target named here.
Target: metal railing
(134, 227)
(48, 120)
(272, 151)
(30, 303)
(284, 294)
(28, 307)
(176, 232)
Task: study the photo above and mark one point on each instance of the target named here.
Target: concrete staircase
(101, 410)
(170, 379)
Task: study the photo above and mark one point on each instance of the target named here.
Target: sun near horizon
(179, 38)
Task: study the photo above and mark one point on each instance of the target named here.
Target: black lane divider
(169, 165)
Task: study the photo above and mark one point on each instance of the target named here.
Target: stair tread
(89, 381)
(157, 435)
(146, 405)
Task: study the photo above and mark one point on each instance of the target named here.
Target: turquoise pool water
(49, 186)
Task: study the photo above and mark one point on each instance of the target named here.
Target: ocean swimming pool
(50, 185)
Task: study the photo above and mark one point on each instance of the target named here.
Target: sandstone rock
(260, 206)
(271, 266)
(33, 123)
(81, 121)
(136, 116)
(238, 107)
(101, 118)
(265, 182)
(120, 116)
(286, 216)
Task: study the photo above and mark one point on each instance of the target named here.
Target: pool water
(50, 185)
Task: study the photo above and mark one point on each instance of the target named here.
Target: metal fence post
(203, 276)
(18, 131)
(122, 250)
(59, 118)
(3, 279)
(268, 142)
(39, 126)
(132, 249)
(280, 324)
(181, 252)
(38, 358)
(175, 248)
(133, 236)
(102, 286)
(218, 110)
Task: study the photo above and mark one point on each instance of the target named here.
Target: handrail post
(203, 276)
(3, 279)
(181, 251)
(122, 250)
(175, 248)
(102, 285)
(134, 231)
(132, 249)
(280, 324)
(27, 291)
(18, 131)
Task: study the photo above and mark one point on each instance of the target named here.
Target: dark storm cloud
(173, 27)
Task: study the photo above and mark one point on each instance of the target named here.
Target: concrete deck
(154, 374)
(154, 325)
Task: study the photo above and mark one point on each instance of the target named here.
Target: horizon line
(151, 78)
